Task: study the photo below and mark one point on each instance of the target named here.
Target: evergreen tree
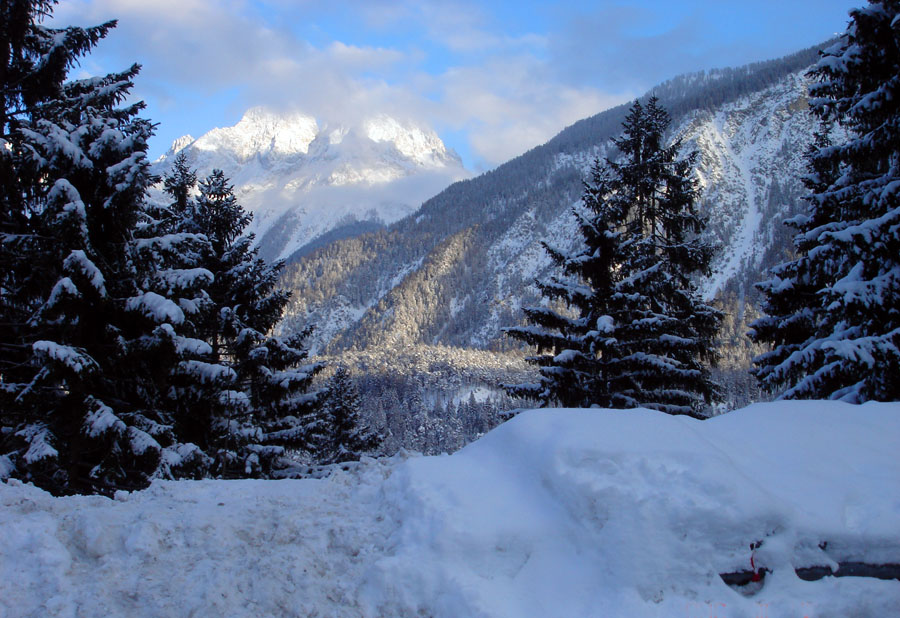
(88, 345)
(792, 293)
(251, 400)
(833, 312)
(179, 183)
(636, 332)
(346, 436)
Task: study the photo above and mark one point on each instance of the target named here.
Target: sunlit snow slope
(301, 180)
(555, 513)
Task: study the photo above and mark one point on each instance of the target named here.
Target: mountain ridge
(750, 125)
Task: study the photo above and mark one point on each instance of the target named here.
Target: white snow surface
(554, 513)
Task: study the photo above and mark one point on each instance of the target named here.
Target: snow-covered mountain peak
(336, 136)
(262, 132)
(180, 144)
(422, 146)
(301, 178)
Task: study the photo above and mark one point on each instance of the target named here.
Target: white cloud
(499, 90)
(204, 43)
(513, 103)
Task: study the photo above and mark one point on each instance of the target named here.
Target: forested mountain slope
(458, 270)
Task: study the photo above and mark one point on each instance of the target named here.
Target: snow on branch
(207, 373)
(38, 438)
(79, 262)
(75, 359)
(102, 420)
(156, 307)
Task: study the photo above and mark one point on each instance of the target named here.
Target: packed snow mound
(554, 513)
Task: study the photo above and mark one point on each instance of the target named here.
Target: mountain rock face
(460, 269)
(302, 180)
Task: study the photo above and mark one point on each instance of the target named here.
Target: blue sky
(492, 78)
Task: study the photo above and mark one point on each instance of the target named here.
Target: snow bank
(554, 513)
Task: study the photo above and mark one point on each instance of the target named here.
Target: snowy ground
(555, 513)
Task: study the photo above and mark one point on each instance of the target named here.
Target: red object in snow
(756, 576)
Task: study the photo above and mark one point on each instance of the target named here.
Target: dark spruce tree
(792, 304)
(346, 437)
(250, 401)
(833, 312)
(88, 344)
(179, 184)
(625, 326)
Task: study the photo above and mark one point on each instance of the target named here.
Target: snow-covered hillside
(301, 180)
(554, 513)
(752, 156)
(750, 126)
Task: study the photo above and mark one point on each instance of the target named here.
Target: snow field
(206, 548)
(554, 513)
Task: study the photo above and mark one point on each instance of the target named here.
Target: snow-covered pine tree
(179, 183)
(251, 400)
(346, 436)
(574, 353)
(637, 332)
(846, 343)
(670, 337)
(792, 303)
(87, 347)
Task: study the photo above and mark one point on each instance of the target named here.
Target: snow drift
(554, 513)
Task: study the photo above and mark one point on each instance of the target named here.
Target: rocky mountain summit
(301, 179)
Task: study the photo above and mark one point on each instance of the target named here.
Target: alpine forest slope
(463, 266)
(302, 180)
